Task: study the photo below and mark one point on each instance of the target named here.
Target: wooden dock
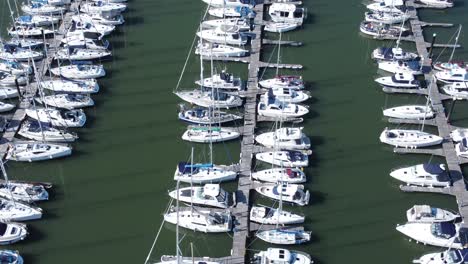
(447, 150)
(28, 92)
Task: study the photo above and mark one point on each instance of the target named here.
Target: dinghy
(44, 132)
(272, 107)
(28, 31)
(284, 158)
(283, 81)
(284, 236)
(42, 9)
(208, 195)
(409, 112)
(458, 90)
(65, 118)
(16, 211)
(12, 232)
(408, 138)
(201, 220)
(271, 216)
(6, 93)
(434, 234)
(285, 138)
(202, 173)
(428, 174)
(4, 107)
(37, 151)
(451, 256)
(455, 75)
(223, 34)
(399, 80)
(286, 175)
(209, 134)
(286, 13)
(71, 86)
(290, 193)
(7, 79)
(23, 191)
(9, 52)
(67, 101)
(219, 50)
(283, 256)
(79, 54)
(37, 20)
(223, 80)
(80, 71)
(201, 116)
(209, 99)
(242, 23)
(390, 54)
(428, 214)
(10, 257)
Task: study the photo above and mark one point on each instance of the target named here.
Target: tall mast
(201, 60)
(177, 225)
(427, 104)
(7, 182)
(456, 42)
(211, 110)
(191, 182)
(401, 31)
(279, 52)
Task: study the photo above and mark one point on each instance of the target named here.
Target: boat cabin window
(298, 13)
(284, 14)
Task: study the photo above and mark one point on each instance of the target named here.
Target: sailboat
(37, 20)
(7, 79)
(285, 138)
(208, 195)
(9, 52)
(202, 116)
(67, 101)
(286, 175)
(59, 118)
(79, 71)
(34, 151)
(284, 236)
(12, 232)
(219, 50)
(42, 9)
(98, 18)
(202, 134)
(290, 193)
(86, 86)
(271, 216)
(44, 132)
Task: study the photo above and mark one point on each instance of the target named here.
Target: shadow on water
(317, 197)
(134, 21)
(35, 235)
(310, 19)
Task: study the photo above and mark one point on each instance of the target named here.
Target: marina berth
(409, 138)
(9, 52)
(289, 193)
(450, 256)
(399, 80)
(455, 75)
(271, 216)
(208, 195)
(31, 151)
(16, 211)
(286, 13)
(224, 34)
(79, 71)
(285, 175)
(12, 232)
(410, 112)
(428, 214)
(87, 86)
(206, 116)
(458, 90)
(390, 54)
(200, 173)
(67, 101)
(37, 20)
(223, 80)
(44, 132)
(428, 174)
(201, 220)
(283, 256)
(285, 138)
(59, 118)
(284, 236)
(208, 99)
(434, 234)
(219, 50)
(209, 134)
(284, 158)
(409, 67)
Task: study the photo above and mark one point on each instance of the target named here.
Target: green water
(109, 196)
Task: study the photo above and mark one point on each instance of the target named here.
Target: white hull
(204, 99)
(409, 112)
(290, 193)
(271, 216)
(201, 135)
(68, 118)
(80, 71)
(199, 221)
(14, 232)
(422, 233)
(37, 152)
(274, 175)
(409, 138)
(284, 158)
(219, 50)
(431, 175)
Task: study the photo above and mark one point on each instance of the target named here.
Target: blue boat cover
(433, 168)
(187, 167)
(447, 229)
(25, 18)
(414, 65)
(463, 238)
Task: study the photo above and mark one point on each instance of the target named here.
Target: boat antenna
(456, 42)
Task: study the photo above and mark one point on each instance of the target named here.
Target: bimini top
(245, 11)
(433, 168)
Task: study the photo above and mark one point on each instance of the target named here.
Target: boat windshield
(3, 228)
(443, 230)
(452, 257)
(6, 258)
